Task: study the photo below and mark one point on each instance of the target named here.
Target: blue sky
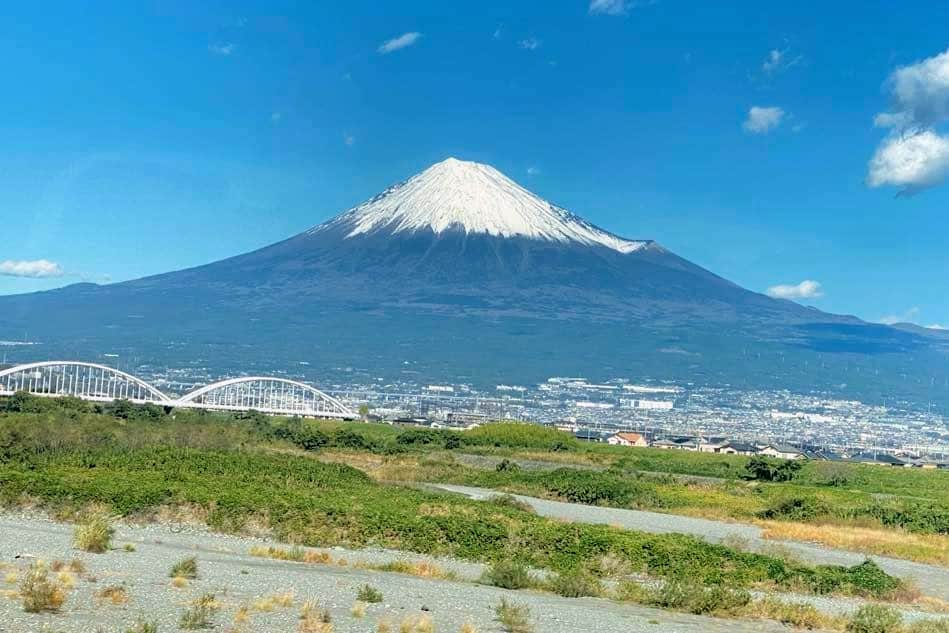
(145, 137)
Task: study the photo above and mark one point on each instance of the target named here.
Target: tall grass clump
(94, 532)
(369, 594)
(185, 568)
(513, 617)
(507, 574)
(199, 615)
(875, 618)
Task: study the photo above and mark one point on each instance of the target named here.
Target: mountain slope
(466, 274)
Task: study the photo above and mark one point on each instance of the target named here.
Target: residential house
(626, 438)
(781, 451)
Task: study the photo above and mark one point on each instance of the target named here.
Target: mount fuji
(459, 273)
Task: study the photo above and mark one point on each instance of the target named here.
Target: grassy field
(248, 472)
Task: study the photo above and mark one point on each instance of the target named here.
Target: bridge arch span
(267, 394)
(89, 381)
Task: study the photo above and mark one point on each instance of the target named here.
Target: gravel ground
(236, 578)
(931, 580)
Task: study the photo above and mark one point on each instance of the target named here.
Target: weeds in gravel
(875, 618)
(315, 619)
(186, 568)
(94, 532)
(358, 609)
(296, 554)
(369, 594)
(416, 624)
(75, 565)
(179, 582)
(199, 615)
(143, 626)
(801, 615)
(422, 569)
(38, 592)
(129, 547)
(242, 615)
(383, 626)
(11, 577)
(507, 574)
(467, 627)
(513, 617)
(929, 626)
(116, 594)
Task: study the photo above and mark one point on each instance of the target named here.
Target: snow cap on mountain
(474, 198)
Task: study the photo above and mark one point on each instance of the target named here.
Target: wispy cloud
(778, 61)
(762, 120)
(36, 269)
(222, 48)
(936, 326)
(498, 32)
(914, 156)
(349, 140)
(906, 317)
(398, 43)
(533, 170)
(807, 289)
(616, 7)
(530, 44)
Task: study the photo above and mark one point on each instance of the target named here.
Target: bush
(507, 466)
(576, 584)
(763, 468)
(368, 593)
(694, 598)
(38, 592)
(507, 575)
(796, 509)
(93, 533)
(510, 501)
(513, 618)
(143, 627)
(199, 614)
(187, 568)
(875, 618)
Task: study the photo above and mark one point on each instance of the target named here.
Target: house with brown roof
(626, 438)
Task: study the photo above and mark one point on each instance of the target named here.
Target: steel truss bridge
(100, 383)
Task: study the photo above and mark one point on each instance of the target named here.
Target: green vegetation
(226, 468)
(186, 568)
(143, 626)
(763, 468)
(508, 574)
(875, 618)
(369, 594)
(576, 584)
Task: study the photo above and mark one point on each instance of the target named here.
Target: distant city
(656, 410)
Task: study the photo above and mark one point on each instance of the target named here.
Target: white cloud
(276, 116)
(37, 269)
(224, 48)
(533, 170)
(907, 317)
(807, 289)
(936, 326)
(397, 43)
(914, 155)
(920, 94)
(616, 7)
(349, 139)
(914, 162)
(497, 33)
(530, 44)
(762, 120)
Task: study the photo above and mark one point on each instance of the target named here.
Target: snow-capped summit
(473, 198)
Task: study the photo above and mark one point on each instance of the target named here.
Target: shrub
(513, 618)
(38, 592)
(763, 468)
(186, 568)
(199, 614)
(700, 600)
(576, 584)
(93, 533)
(510, 501)
(116, 594)
(507, 574)
(368, 593)
(796, 509)
(875, 618)
(929, 626)
(507, 466)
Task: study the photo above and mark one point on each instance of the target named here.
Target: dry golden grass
(93, 533)
(467, 627)
(296, 554)
(179, 582)
(383, 626)
(796, 614)
(67, 579)
(358, 610)
(314, 619)
(242, 615)
(38, 592)
(923, 548)
(116, 594)
(422, 569)
(416, 624)
(11, 577)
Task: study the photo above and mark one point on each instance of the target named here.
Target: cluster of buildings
(724, 446)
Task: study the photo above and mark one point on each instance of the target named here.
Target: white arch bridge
(100, 383)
